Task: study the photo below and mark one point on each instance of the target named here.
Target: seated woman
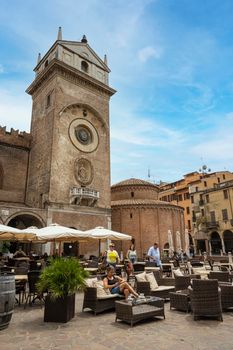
(116, 284)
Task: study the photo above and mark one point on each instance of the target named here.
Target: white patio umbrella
(103, 233)
(186, 237)
(170, 242)
(58, 233)
(8, 233)
(178, 241)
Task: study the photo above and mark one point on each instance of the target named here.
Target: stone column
(223, 245)
(210, 248)
(207, 245)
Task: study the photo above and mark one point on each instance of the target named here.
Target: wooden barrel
(7, 299)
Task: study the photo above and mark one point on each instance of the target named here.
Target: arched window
(84, 66)
(216, 243)
(46, 63)
(228, 240)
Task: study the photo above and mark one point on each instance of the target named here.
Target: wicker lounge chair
(97, 304)
(205, 299)
(166, 285)
(226, 296)
(183, 282)
(180, 299)
(221, 276)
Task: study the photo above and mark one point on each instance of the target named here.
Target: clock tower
(69, 167)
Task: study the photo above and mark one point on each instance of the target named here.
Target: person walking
(112, 256)
(132, 254)
(154, 254)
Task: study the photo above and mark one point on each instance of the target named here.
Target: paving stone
(86, 331)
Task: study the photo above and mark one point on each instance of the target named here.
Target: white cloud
(1, 69)
(149, 52)
(217, 144)
(140, 130)
(15, 110)
(229, 116)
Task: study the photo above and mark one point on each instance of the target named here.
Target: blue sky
(171, 63)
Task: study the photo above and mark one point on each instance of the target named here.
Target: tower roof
(81, 48)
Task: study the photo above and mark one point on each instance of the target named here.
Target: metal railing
(84, 192)
(212, 224)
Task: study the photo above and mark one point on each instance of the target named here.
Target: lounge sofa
(161, 288)
(97, 298)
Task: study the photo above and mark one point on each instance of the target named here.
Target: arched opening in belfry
(84, 66)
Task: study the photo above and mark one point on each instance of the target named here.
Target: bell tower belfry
(69, 167)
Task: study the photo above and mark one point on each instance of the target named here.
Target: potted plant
(62, 278)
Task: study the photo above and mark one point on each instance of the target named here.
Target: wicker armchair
(183, 282)
(33, 294)
(205, 299)
(180, 299)
(226, 296)
(138, 268)
(221, 276)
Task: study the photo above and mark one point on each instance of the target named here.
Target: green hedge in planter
(63, 277)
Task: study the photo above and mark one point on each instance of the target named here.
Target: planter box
(60, 309)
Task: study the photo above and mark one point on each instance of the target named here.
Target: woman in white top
(132, 254)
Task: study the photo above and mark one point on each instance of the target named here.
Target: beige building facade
(212, 211)
(60, 172)
(181, 192)
(136, 210)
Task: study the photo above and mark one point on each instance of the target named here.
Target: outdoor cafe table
(92, 270)
(152, 268)
(227, 265)
(21, 277)
(203, 273)
(140, 309)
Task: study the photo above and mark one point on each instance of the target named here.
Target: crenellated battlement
(15, 138)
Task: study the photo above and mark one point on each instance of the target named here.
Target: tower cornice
(70, 73)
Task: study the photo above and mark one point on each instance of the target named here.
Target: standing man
(112, 256)
(154, 254)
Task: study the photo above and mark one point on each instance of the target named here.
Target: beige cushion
(162, 288)
(178, 272)
(101, 291)
(110, 296)
(89, 282)
(141, 277)
(151, 279)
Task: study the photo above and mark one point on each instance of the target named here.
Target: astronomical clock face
(83, 135)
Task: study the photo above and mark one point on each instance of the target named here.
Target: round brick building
(137, 211)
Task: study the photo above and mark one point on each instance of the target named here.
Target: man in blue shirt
(154, 254)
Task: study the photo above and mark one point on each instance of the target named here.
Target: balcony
(212, 224)
(83, 196)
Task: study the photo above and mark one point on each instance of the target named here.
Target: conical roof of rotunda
(134, 182)
(137, 193)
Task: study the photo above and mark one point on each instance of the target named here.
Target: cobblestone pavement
(86, 331)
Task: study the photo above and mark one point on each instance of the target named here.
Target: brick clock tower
(69, 167)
